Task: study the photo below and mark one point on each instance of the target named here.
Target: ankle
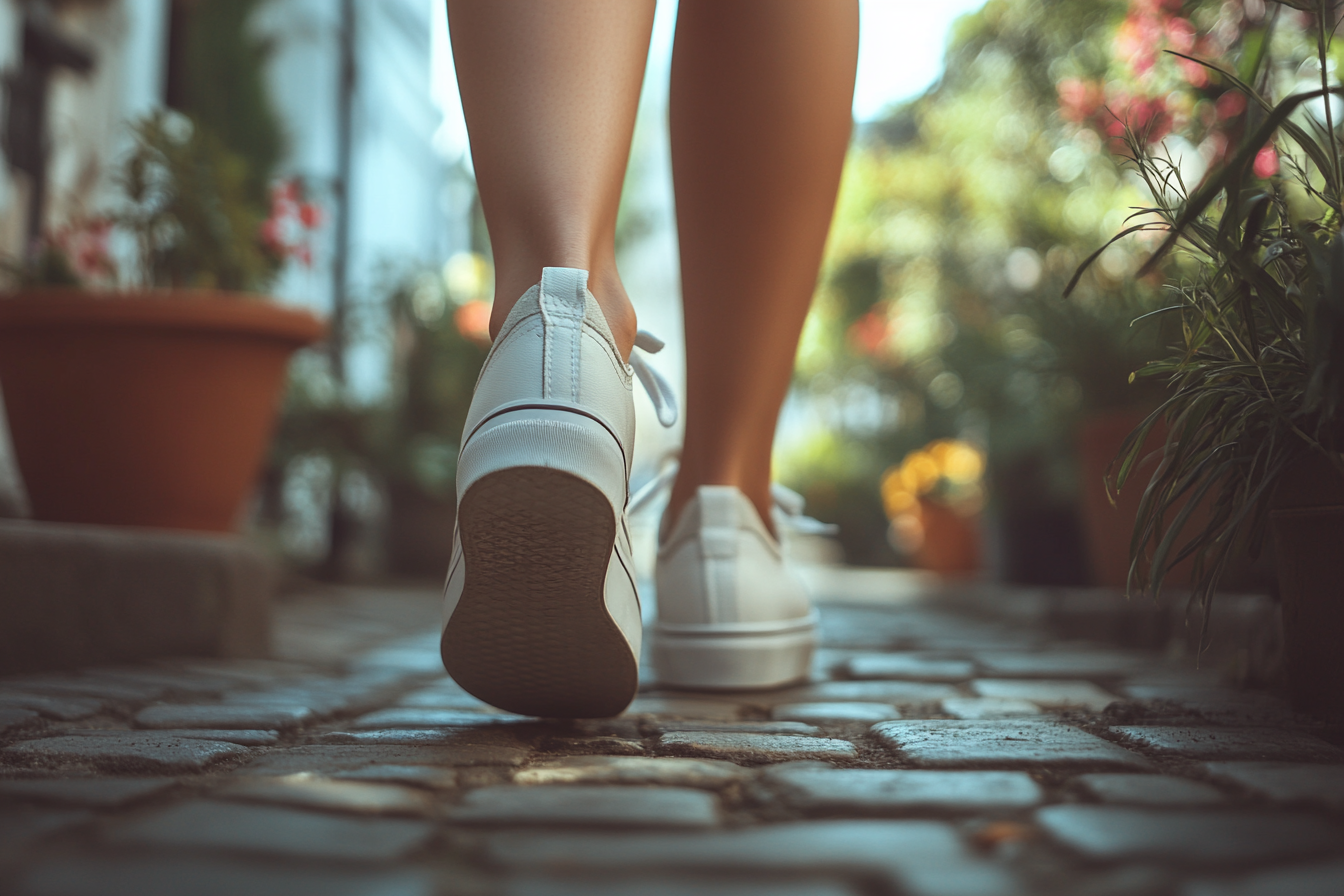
(688, 484)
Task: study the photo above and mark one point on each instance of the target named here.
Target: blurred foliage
(188, 208)
(221, 83)
(1256, 375)
(408, 443)
(962, 216)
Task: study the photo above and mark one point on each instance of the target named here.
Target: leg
(550, 92)
(760, 119)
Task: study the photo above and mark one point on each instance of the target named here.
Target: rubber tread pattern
(531, 633)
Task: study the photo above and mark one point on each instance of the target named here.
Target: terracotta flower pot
(149, 409)
(951, 544)
(1307, 521)
(1109, 527)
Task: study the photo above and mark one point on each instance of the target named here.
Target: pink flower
(1180, 35)
(1230, 104)
(1078, 100)
(1266, 162)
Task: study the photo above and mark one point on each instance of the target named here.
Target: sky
(901, 44)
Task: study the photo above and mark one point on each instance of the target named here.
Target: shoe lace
(654, 383)
(787, 507)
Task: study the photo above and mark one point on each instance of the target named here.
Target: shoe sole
(721, 662)
(531, 633)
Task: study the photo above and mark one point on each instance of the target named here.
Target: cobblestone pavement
(934, 754)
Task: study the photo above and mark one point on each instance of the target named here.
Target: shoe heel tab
(564, 290)
(718, 505)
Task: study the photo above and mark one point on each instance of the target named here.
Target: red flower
(286, 232)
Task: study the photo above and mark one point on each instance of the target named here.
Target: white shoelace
(788, 504)
(654, 383)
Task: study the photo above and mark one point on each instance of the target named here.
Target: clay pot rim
(200, 310)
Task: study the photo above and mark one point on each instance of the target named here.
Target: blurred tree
(962, 216)
(216, 74)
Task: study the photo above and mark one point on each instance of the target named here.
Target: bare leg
(550, 92)
(760, 119)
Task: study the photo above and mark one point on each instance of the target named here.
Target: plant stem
(1324, 33)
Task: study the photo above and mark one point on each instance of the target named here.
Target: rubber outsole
(733, 663)
(531, 633)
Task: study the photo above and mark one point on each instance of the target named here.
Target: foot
(731, 615)
(541, 616)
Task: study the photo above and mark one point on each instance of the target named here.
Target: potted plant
(141, 373)
(1255, 409)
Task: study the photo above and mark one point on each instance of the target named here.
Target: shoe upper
(555, 349)
(555, 358)
(719, 566)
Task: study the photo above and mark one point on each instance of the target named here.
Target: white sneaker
(541, 615)
(731, 615)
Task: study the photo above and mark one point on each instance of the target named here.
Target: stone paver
(207, 824)
(1189, 837)
(404, 737)
(219, 715)
(198, 876)
(981, 708)
(89, 687)
(427, 717)
(947, 743)
(241, 736)
(1222, 706)
(1059, 664)
(65, 709)
(668, 771)
(504, 734)
(685, 708)
(1067, 767)
(23, 826)
(601, 745)
(657, 886)
(919, 857)
(903, 790)
(323, 758)
(1231, 743)
(756, 747)
(1309, 880)
(834, 713)
(1148, 790)
(414, 775)
(314, 792)
(741, 727)
(101, 793)
(913, 667)
(578, 804)
(128, 752)
(1045, 693)
(900, 693)
(14, 717)
(1288, 782)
